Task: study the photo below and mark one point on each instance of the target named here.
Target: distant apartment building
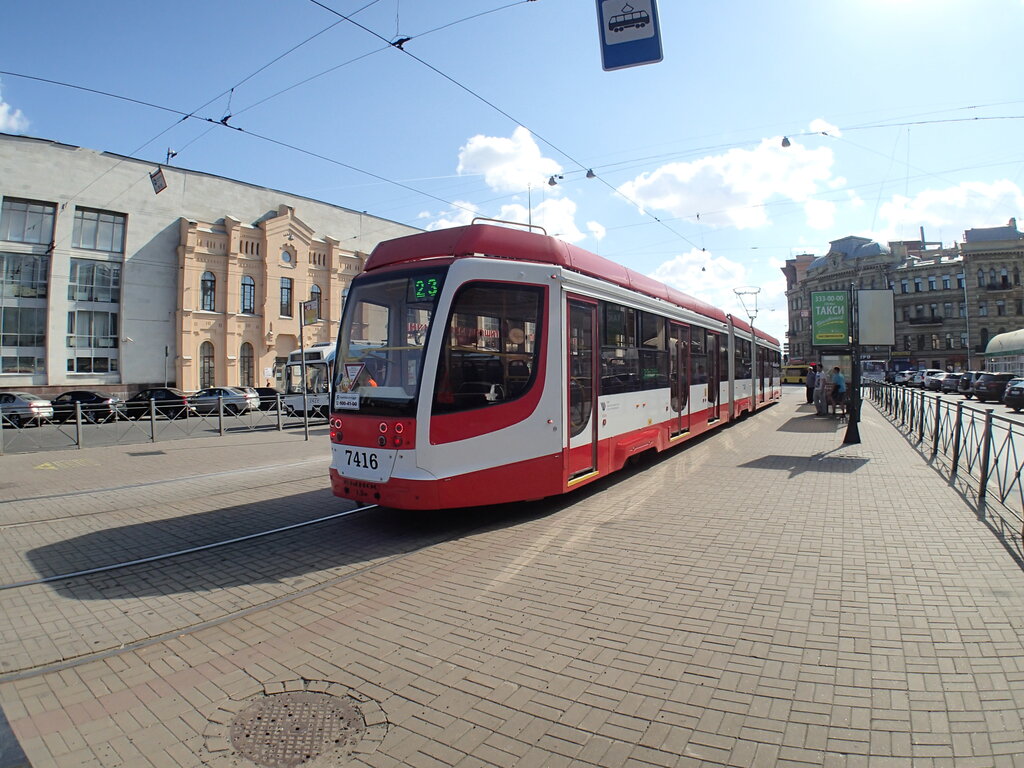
(106, 284)
(948, 301)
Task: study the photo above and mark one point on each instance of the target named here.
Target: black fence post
(986, 450)
(957, 430)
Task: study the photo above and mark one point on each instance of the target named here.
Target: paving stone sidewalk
(767, 596)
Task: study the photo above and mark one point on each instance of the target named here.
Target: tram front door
(580, 394)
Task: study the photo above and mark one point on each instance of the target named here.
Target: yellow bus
(795, 373)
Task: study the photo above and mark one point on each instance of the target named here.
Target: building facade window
(27, 221)
(947, 282)
(961, 281)
(23, 276)
(981, 278)
(22, 340)
(286, 297)
(208, 292)
(935, 341)
(949, 341)
(314, 295)
(932, 284)
(246, 371)
(918, 285)
(1000, 308)
(92, 340)
(947, 309)
(98, 230)
(982, 309)
(94, 281)
(964, 343)
(904, 286)
(248, 306)
(206, 367)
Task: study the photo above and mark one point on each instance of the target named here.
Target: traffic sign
(629, 32)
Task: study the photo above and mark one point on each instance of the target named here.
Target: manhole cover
(288, 729)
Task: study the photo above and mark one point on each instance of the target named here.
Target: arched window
(314, 295)
(248, 306)
(1004, 278)
(206, 365)
(207, 292)
(1016, 275)
(981, 278)
(246, 373)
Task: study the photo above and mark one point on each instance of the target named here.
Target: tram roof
(507, 243)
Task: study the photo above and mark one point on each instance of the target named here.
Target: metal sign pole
(302, 368)
(853, 390)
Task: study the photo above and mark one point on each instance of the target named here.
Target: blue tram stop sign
(629, 33)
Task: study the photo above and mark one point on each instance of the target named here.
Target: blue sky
(901, 114)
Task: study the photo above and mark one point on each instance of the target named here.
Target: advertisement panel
(830, 318)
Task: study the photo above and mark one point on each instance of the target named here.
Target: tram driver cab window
(490, 350)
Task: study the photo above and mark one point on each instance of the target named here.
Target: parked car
(253, 394)
(17, 408)
(268, 398)
(950, 382)
(170, 402)
(921, 377)
(1013, 397)
(990, 386)
(933, 381)
(96, 406)
(207, 401)
(904, 377)
(966, 384)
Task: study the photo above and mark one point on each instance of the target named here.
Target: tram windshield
(383, 335)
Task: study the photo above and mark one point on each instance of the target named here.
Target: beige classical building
(241, 291)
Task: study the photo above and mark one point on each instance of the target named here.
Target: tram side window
(491, 346)
(743, 360)
(620, 361)
(653, 354)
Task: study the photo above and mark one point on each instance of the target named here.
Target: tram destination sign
(830, 318)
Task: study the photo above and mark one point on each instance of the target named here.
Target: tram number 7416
(363, 459)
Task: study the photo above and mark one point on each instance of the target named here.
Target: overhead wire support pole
(853, 391)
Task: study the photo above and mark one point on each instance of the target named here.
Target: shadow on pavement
(798, 465)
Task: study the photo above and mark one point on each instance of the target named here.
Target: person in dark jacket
(812, 376)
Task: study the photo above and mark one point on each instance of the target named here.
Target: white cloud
(715, 280)
(946, 213)
(459, 217)
(823, 126)
(597, 231)
(12, 120)
(732, 189)
(507, 164)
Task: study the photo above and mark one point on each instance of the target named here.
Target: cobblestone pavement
(766, 596)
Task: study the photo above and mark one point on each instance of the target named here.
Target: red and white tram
(485, 364)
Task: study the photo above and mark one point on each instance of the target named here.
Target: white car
(16, 408)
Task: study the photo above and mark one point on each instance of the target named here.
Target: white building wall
(42, 170)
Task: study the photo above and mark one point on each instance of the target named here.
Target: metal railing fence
(89, 428)
(980, 451)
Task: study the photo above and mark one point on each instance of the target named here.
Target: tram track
(78, 652)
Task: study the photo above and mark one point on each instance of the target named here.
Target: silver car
(208, 401)
(17, 408)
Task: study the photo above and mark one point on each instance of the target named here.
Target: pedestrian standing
(811, 379)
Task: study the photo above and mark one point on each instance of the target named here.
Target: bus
(485, 364)
(319, 359)
(795, 373)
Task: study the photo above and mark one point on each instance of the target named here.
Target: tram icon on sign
(628, 19)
